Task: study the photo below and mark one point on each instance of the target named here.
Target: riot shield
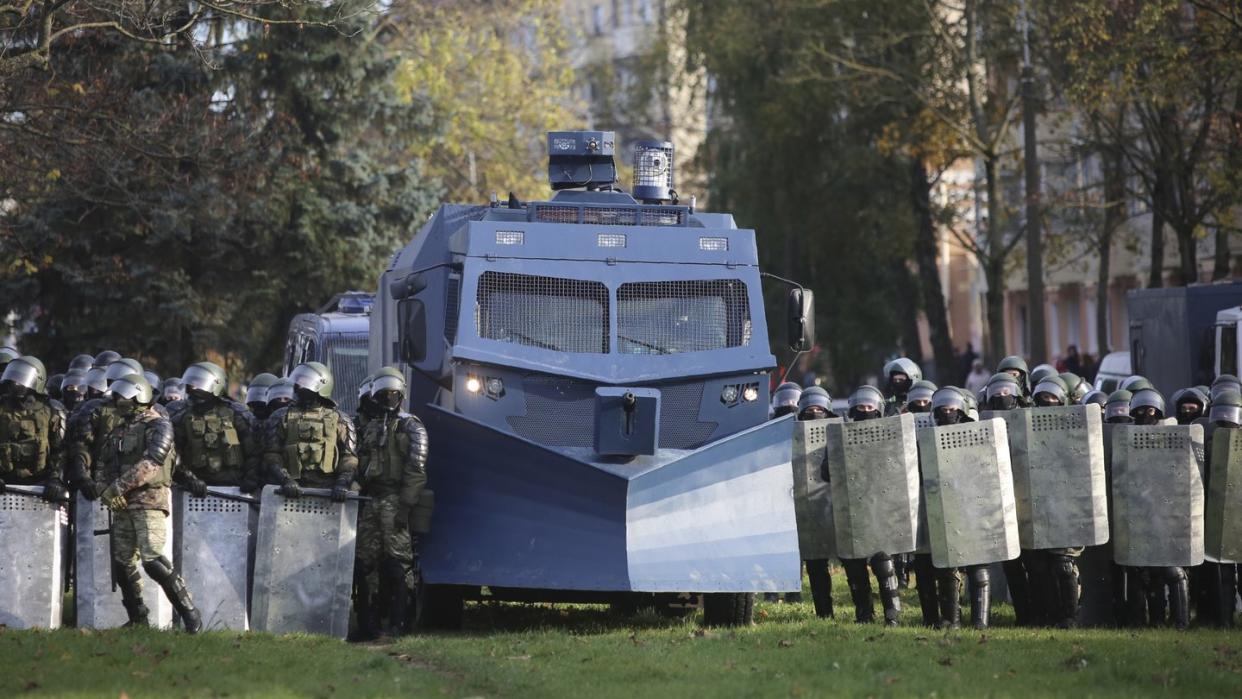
(32, 545)
(1222, 527)
(97, 596)
(1157, 475)
(1057, 456)
(812, 492)
(873, 469)
(968, 486)
(214, 552)
(922, 422)
(304, 563)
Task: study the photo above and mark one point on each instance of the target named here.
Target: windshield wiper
(648, 345)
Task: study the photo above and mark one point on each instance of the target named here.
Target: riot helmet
(388, 388)
(866, 403)
(312, 379)
(1040, 373)
(82, 363)
(204, 380)
(279, 395)
(1117, 409)
(815, 404)
(1002, 391)
(1050, 391)
(901, 373)
(1135, 383)
(948, 406)
(918, 400)
(122, 367)
(1099, 398)
(1075, 387)
(1147, 406)
(1189, 405)
(132, 392)
(1222, 383)
(153, 379)
(171, 391)
(73, 388)
(1015, 366)
(7, 354)
(785, 400)
(256, 390)
(972, 405)
(105, 359)
(53, 385)
(96, 382)
(23, 375)
(1227, 409)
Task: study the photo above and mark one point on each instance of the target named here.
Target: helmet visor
(305, 377)
(280, 391)
(387, 383)
(256, 394)
(786, 397)
(132, 387)
(199, 378)
(22, 374)
(1226, 413)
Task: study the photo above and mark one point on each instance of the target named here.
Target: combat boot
(399, 601)
(890, 595)
(1179, 597)
(860, 590)
(925, 584)
(1019, 590)
(1066, 573)
(980, 596)
(367, 624)
(130, 583)
(820, 579)
(1157, 602)
(161, 571)
(948, 587)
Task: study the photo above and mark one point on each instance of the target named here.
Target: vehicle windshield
(682, 316)
(1228, 349)
(565, 315)
(346, 357)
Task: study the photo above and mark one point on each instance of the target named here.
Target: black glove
(89, 489)
(248, 485)
(55, 492)
(195, 486)
(3, 487)
(340, 493)
(290, 489)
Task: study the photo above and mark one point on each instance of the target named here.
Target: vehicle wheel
(728, 608)
(438, 608)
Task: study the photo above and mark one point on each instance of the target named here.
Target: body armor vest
(24, 440)
(385, 445)
(310, 440)
(107, 419)
(126, 446)
(213, 447)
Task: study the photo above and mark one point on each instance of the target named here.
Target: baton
(27, 490)
(226, 496)
(327, 496)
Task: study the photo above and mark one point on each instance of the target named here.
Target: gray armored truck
(594, 373)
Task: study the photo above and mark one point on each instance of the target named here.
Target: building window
(1023, 342)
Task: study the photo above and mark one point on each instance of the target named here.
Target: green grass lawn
(537, 651)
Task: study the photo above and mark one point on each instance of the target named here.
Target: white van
(1114, 368)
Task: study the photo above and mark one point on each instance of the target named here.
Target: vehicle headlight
(728, 395)
(750, 394)
(495, 387)
(473, 384)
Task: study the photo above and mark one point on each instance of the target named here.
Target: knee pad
(1174, 574)
(159, 568)
(883, 566)
(980, 577)
(1064, 566)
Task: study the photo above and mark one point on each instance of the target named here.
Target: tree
(492, 74)
(171, 210)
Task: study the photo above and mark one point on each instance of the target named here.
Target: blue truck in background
(337, 334)
(594, 371)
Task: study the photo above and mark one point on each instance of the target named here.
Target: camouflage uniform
(137, 461)
(393, 473)
(89, 427)
(216, 444)
(32, 433)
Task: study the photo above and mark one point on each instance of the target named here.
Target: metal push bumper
(513, 513)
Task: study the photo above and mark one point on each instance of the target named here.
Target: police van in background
(336, 335)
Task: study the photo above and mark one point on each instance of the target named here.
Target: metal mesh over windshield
(347, 358)
(566, 315)
(682, 316)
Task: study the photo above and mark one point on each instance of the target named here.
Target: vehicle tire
(728, 608)
(438, 608)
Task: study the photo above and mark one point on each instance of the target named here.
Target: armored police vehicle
(335, 335)
(593, 371)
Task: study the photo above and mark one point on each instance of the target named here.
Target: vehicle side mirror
(409, 285)
(412, 333)
(800, 319)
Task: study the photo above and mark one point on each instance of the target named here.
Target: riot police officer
(1220, 580)
(311, 443)
(392, 469)
(7, 354)
(256, 396)
(1015, 367)
(171, 391)
(1224, 382)
(73, 390)
(1099, 398)
(867, 403)
(279, 395)
(949, 407)
(785, 400)
(1147, 407)
(81, 362)
(1117, 409)
(105, 359)
(918, 399)
(900, 375)
(1134, 383)
(136, 463)
(96, 384)
(1189, 404)
(214, 435)
(816, 404)
(53, 386)
(1075, 388)
(367, 408)
(1051, 391)
(1040, 373)
(89, 427)
(32, 430)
